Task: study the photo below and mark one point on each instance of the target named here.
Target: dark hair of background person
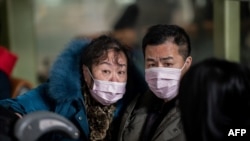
(125, 28)
(128, 19)
(158, 34)
(214, 98)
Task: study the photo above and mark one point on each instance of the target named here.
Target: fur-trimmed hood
(65, 75)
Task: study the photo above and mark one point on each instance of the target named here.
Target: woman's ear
(87, 78)
(85, 73)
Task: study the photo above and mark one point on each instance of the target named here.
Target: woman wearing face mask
(105, 76)
(87, 85)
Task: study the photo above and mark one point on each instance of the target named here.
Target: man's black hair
(158, 34)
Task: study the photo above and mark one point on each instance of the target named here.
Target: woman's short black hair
(214, 97)
(97, 50)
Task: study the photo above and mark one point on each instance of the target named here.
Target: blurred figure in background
(245, 32)
(125, 30)
(7, 63)
(214, 100)
(43, 72)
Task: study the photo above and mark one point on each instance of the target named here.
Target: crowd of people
(96, 86)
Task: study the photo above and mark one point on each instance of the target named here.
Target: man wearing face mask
(154, 116)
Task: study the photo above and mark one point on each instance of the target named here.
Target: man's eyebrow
(161, 59)
(166, 58)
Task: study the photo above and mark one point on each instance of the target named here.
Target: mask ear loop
(93, 80)
(90, 73)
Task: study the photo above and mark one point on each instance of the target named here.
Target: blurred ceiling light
(125, 2)
(201, 3)
(52, 3)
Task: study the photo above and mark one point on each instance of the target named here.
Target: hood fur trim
(65, 77)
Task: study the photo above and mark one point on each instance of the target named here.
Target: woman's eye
(106, 71)
(151, 65)
(121, 72)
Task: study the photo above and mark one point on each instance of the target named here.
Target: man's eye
(168, 65)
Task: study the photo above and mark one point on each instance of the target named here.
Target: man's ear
(188, 62)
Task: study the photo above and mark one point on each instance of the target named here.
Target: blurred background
(38, 30)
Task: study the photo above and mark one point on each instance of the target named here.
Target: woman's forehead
(113, 58)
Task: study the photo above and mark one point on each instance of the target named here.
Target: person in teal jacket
(86, 85)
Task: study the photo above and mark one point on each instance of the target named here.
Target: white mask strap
(90, 73)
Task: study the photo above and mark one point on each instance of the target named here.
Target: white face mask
(107, 92)
(163, 82)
